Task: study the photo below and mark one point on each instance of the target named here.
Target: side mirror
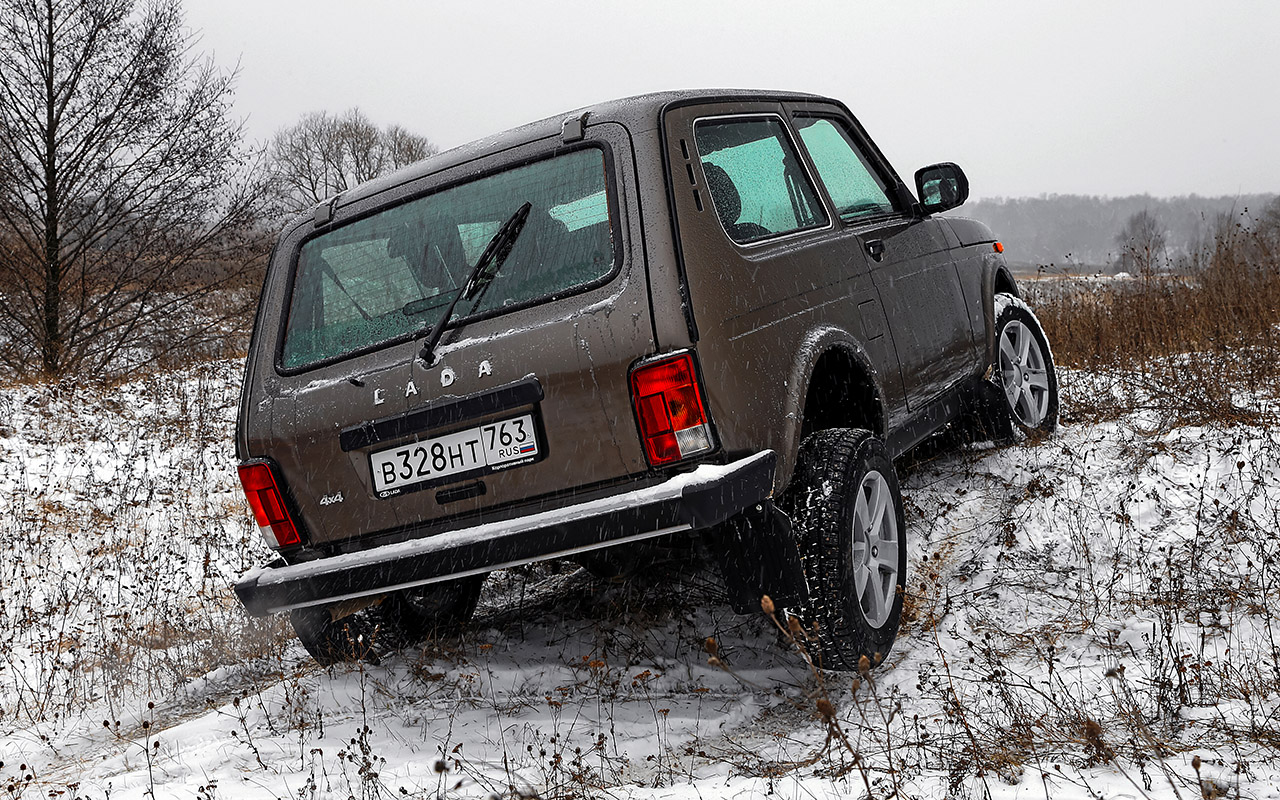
(941, 187)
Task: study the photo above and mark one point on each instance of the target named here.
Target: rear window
(388, 276)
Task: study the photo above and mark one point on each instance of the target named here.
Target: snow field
(1086, 615)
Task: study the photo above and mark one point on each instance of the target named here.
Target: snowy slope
(1086, 616)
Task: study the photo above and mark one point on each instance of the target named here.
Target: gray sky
(1108, 97)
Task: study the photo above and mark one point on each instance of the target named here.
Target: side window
(756, 180)
(854, 187)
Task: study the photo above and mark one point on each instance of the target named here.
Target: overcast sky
(1108, 97)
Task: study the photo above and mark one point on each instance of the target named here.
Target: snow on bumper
(694, 500)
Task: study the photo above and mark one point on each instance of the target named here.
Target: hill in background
(1078, 233)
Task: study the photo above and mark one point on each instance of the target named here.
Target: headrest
(723, 193)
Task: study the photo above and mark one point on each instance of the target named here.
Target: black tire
(414, 615)
(348, 639)
(403, 618)
(1023, 372)
(834, 467)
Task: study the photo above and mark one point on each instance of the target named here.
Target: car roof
(637, 113)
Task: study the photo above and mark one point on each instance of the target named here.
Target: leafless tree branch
(126, 192)
(324, 154)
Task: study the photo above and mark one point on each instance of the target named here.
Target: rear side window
(854, 187)
(755, 178)
(387, 276)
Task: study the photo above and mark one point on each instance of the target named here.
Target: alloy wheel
(875, 549)
(1023, 373)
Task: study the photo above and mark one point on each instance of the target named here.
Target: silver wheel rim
(1023, 374)
(875, 549)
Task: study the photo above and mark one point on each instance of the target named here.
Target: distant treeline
(1076, 231)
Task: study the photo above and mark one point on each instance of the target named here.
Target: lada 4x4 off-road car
(714, 314)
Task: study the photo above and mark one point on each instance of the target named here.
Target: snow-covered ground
(1095, 615)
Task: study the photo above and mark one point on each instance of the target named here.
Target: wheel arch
(996, 279)
(836, 385)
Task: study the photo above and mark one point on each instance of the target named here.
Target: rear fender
(815, 345)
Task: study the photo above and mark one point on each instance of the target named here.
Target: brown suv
(711, 312)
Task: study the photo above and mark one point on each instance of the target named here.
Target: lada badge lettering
(447, 378)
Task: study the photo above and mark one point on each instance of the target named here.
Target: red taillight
(673, 421)
(268, 505)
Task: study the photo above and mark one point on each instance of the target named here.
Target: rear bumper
(696, 500)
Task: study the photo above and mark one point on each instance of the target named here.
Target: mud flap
(757, 555)
(987, 409)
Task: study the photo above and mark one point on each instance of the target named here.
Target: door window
(854, 187)
(755, 177)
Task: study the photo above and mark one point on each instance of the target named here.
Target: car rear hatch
(524, 402)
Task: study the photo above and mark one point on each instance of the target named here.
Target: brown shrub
(1198, 348)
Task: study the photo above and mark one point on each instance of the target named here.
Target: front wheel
(1024, 370)
(847, 514)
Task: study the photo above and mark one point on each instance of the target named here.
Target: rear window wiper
(482, 274)
(422, 305)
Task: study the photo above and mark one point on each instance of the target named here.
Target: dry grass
(122, 529)
(1196, 347)
(1102, 600)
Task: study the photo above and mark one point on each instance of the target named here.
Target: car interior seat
(729, 205)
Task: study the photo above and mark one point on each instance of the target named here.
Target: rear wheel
(332, 641)
(847, 514)
(437, 609)
(403, 618)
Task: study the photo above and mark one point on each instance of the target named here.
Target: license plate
(484, 448)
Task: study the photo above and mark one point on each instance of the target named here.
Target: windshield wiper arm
(491, 260)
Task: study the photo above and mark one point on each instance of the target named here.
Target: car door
(769, 279)
(908, 257)
(524, 398)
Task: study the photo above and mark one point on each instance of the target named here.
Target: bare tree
(124, 195)
(1142, 243)
(323, 154)
(1267, 229)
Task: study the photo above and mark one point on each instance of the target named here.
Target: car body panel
(578, 347)
(755, 303)
(905, 297)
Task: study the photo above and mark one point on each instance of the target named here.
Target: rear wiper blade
(423, 304)
(482, 274)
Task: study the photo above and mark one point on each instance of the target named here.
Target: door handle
(875, 249)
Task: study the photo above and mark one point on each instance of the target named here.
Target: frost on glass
(392, 274)
(853, 186)
(756, 181)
